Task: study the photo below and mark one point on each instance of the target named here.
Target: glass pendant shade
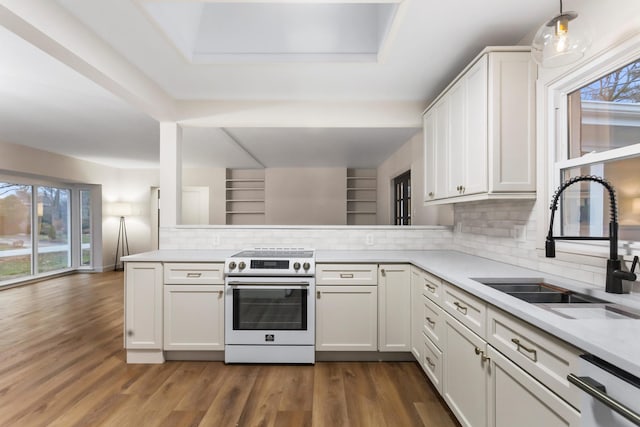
(554, 45)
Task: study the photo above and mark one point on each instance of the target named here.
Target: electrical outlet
(520, 233)
(369, 239)
(458, 227)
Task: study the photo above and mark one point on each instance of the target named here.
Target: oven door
(270, 311)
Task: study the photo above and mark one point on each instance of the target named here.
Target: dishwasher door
(611, 397)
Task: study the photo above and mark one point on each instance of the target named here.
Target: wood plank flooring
(62, 364)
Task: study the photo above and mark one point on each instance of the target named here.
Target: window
(603, 139)
(15, 231)
(37, 232)
(85, 228)
(402, 198)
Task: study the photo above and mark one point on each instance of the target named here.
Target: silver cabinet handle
(431, 288)
(531, 351)
(318, 294)
(483, 357)
(430, 193)
(346, 275)
(588, 385)
(194, 274)
(382, 272)
(461, 308)
(431, 322)
(430, 362)
(220, 294)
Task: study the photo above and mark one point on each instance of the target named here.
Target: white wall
(409, 156)
(117, 185)
(214, 178)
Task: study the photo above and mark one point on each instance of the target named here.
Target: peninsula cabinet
(394, 302)
(143, 312)
(346, 307)
(193, 306)
(479, 133)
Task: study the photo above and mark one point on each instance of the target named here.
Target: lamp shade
(554, 45)
(120, 209)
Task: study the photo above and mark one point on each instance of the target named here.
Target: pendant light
(554, 45)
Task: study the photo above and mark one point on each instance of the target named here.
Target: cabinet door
(517, 399)
(194, 317)
(457, 134)
(429, 127)
(441, 147)
(512, 121)
(475, 146)
(465, 374)
(394, 302)
(346, 318)
(416, 313)
(143, 305)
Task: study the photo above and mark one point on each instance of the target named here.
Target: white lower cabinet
(194, 317)
(394, 299)
(465, 376)
(431, 362)
(517, 399)
(417, 341)
(143, 305)
(346, 318)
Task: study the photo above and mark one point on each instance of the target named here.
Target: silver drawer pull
(431, 322)
(346, 275)
(318, 294)
(194, 274)
(588, 385)
(483, 357)
(431, 288)
(430, 362)
(461, 308)
(519, 345)
(220, 294)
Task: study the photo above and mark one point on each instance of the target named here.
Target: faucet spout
(614, 278)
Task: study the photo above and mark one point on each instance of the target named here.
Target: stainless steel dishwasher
(611, 396)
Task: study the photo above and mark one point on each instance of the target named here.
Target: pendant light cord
(560, 7)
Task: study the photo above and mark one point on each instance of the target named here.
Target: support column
(170, 174)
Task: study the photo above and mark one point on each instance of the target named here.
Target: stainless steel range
(270, 306)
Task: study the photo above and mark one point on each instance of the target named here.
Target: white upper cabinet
(479, 134)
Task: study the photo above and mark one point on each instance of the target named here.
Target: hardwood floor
(62, 364)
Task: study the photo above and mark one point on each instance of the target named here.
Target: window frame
(404, 199)
(555, 105)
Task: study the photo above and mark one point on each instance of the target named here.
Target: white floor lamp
(122, 246)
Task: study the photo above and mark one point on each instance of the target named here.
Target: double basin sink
(559, 300)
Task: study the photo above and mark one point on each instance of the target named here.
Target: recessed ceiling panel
(274, 32)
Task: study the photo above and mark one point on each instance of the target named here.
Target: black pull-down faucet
(615, 275)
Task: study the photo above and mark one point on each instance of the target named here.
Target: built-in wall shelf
(362, 191)
(245, 197)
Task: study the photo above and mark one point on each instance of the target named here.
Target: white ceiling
(62, 111)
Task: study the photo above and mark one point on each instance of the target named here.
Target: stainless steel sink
(561, 301)
(537, 291)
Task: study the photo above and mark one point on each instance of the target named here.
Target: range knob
(242, 265)
(296, 266)
(232, 265)
(306, 266)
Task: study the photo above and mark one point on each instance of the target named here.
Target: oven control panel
(271, 262)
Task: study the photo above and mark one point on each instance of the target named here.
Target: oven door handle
(590, 386)
(270, 285)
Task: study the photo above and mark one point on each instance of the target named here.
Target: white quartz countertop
(614, 340)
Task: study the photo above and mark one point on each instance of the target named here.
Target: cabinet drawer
(469, 310)
(193, 273)
(432, 287)
(347, 274)
(545, 357)
(432, 363)
(433, 319)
